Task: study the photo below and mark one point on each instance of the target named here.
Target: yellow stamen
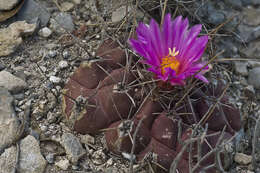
(170, 61)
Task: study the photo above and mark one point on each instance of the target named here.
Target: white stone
(63, 64)
(55, 79)
(45, 32)
(63, 164)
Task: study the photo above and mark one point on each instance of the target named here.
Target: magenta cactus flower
(173, 51)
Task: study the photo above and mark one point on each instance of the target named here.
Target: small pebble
(75, 167)
(242, 158)
(2, 67)
(50, 158)
(87, 139)
(249, 91)
(51, 117)
(19, 96)
(65, 54)
(63, 64)
(67, 6)
(77, 2)
(55, 79)
(45, 32)
(109, 162)
(43, 128)
(52, 54)
(97, 36)
(43, 69)
(63, 164)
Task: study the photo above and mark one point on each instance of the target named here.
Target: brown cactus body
(98, 97)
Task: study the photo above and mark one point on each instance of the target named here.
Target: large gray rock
(248, 33)
(11, 82)
(251, 16)
(62, 22)
(8, 160)
(241, 68)
(254, 77)
(31, 10)
(252, 50)
(73, 147)
(8, 5)
(9, 124)
(31, 160)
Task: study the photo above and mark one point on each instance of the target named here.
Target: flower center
(170, 61)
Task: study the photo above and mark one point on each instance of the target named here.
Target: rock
(45, 32)
(91, 5)
(228, 45)
(251, 16)
(236, 4)
(2, 67)
(256, 2)
(19, 96)
(8, 6)
(87, 139)
(65, 54)
(77, 2)
(242, 158)
(63, 164)
(55, 79)
(249, 91)
(62, 22)
(254, 77)
(50, 158)
(119, 14)
(9, 124)
(63, 64)
(31, 10)
(10, 37)
(211, 14)
(52, 53)
(248, 33)
(31, 159)
(246, 2)
(109, 162)
(66, 6)
(11, 82)
(112, 170)
(73, 147)
(216, 17)
(252, 51)
(7, 160)
(241, 68)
